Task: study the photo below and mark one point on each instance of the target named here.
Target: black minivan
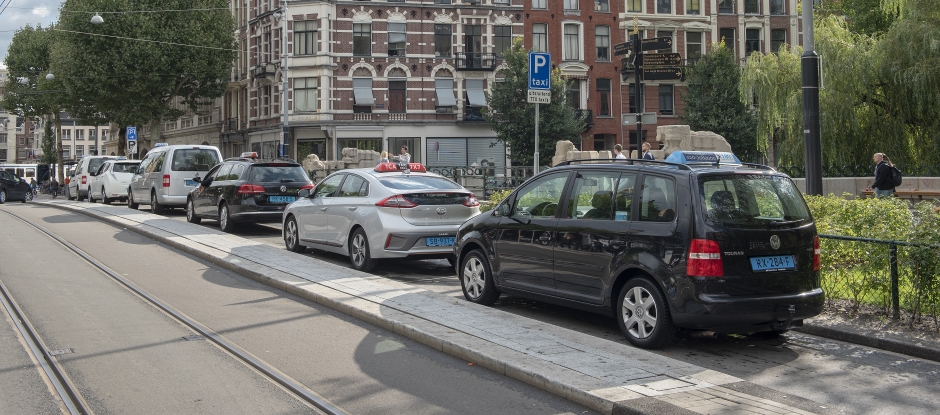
(660, 246)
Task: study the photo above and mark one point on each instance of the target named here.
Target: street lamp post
(285, 131)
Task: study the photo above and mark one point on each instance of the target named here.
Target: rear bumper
(172, 200)
(413, 244)
(749, 314)
(259, 217)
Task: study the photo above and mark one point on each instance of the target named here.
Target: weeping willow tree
(880, 92)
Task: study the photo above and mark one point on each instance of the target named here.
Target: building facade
(369, 75)
(77, 140)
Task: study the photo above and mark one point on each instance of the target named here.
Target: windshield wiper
(783, 222)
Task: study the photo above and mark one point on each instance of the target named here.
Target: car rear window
(418, 183)
(194, 159)
(124, 167)
(94, 164)
(752, 201)
(284, 174)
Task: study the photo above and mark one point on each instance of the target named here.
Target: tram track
(67, 390)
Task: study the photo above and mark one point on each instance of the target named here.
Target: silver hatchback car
(391, 211)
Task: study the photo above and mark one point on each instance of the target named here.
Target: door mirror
(197, 179)
(303, 193)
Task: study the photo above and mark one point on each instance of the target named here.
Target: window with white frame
(540, 37)
(752, 6)
(305, 37)
(726, 6)
(571, 5)
(778, 7)
(79, 151)
(66, 152)
(79, 134)
(443, 40)
(603, 94)
(666, 100)
(539, 4)
(574, 93)
(306, 94)
(602, 42)
(693, 6)
(778, 37)
(3, 138)
(67, 135)
(693, 46)
(572, 50)
(362, 39)
(601, 5)
(502, 39)
(396, 39)
(751, 41)
(635, 6)
(663, 6)
(104, 135)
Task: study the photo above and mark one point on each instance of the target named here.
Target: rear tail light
(249, 189)
(84, 179)
(817, 253)
(471, 201)
(308, 186)
(704, 259)
(396, 201)
(166, 180)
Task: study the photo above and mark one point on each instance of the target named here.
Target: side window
(212, 173)
(223, 173)
(592, 197)
(104, 168)
(353, 186)
(237, 172)
(540, 199)
(158, 163)
(145, 165)
(328, 187)
(624, 196)
(657, 199)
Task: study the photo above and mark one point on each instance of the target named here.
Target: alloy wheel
(290, 235)
(639, 312)
(358, 249)
(474, 277)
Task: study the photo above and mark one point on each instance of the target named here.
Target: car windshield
(283, 174)
(124, 167)
(418, 183)
(752, 201)
(194, 159)
(95, 163)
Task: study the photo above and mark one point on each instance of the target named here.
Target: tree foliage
(714, 79)
(132, 67)
(865, 17)
(48, 146)
(513, 118)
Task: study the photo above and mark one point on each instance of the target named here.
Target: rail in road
(71, 395)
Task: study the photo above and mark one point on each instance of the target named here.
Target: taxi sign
(250, 154)
(392, 166)
(684, 157)
(160, 144)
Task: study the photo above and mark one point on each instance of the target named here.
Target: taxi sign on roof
(684, 157)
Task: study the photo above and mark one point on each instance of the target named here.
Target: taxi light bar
(390, 166)
(250, 154)
(704, 259)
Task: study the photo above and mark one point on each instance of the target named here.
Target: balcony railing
(474, 61)
(588, 118)
(264, 71)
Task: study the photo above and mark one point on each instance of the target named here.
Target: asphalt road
(851, 378)
(131, 358)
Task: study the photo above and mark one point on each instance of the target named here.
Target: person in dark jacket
(882, 185)
(647, 155)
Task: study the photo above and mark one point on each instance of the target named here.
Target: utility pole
(812, 149)
(638, 81)
(285, 132)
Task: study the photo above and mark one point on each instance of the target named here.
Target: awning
(475, 93)
(362, 90)
(445, 92)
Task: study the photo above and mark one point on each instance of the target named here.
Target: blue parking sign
(540, 70)
(131, 133)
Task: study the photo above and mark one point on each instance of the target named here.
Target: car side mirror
(303, 193)
(197, 179)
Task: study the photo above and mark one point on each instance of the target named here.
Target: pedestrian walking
(54, 187)
(883, 185)
(647, 155)
(618, 152)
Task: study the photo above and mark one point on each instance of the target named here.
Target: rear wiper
(783, 222)
(288, 180)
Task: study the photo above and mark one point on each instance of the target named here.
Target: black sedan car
(661, 246)
(245, 189)
(13, 188)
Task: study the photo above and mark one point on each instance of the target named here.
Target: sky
(19, 13)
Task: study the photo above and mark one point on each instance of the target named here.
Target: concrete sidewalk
(606, 376)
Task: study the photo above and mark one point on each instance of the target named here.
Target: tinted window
(222, 173)
(593, 196)
(282, 174)
(657, 199)
(328, 187)
(751, 201)
(418, 183)
(237, 171)
(124, 168)
(194, 159)
(95, 164)
(354, 186)
(540, 198)
(158, 162)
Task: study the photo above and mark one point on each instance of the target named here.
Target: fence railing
(482, 180)
(895, 276)
(862, 170)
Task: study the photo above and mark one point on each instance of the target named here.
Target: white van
(80, 182)
(165, 175)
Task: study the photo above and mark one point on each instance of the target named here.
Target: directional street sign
(538, 96)
(623, 48)
(634, 118)
(657, 43)
(540, 70)
(662, 74)
(660, 59)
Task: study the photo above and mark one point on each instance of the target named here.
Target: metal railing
(859, 170)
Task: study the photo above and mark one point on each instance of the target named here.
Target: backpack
(896, 177)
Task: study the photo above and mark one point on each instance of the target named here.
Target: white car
(385, 212)
(111, 181)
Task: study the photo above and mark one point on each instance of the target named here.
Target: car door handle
(352, 208)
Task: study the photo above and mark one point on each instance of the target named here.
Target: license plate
(281, 199)
(773, 263)
(190, 183)
(445, 241)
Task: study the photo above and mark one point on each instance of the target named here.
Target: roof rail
(625, 161)
(717, 164)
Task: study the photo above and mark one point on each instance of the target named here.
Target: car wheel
(3, 196)
(91, 197)
(155, 206)
(78, 194)
(225, 219)
(191, 212)
(104, 197)
(359, 254)
(292, 236)
(130, 199)
(68, 193)
(27, 196)
(476, 279)
(643, 314)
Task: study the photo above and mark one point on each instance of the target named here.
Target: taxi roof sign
(685, 157)
(392, 166)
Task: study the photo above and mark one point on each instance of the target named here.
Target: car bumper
(749, 314)
(172, 200)
(412, 243)
(259, 216)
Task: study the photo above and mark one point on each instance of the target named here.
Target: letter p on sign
(540, 70)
